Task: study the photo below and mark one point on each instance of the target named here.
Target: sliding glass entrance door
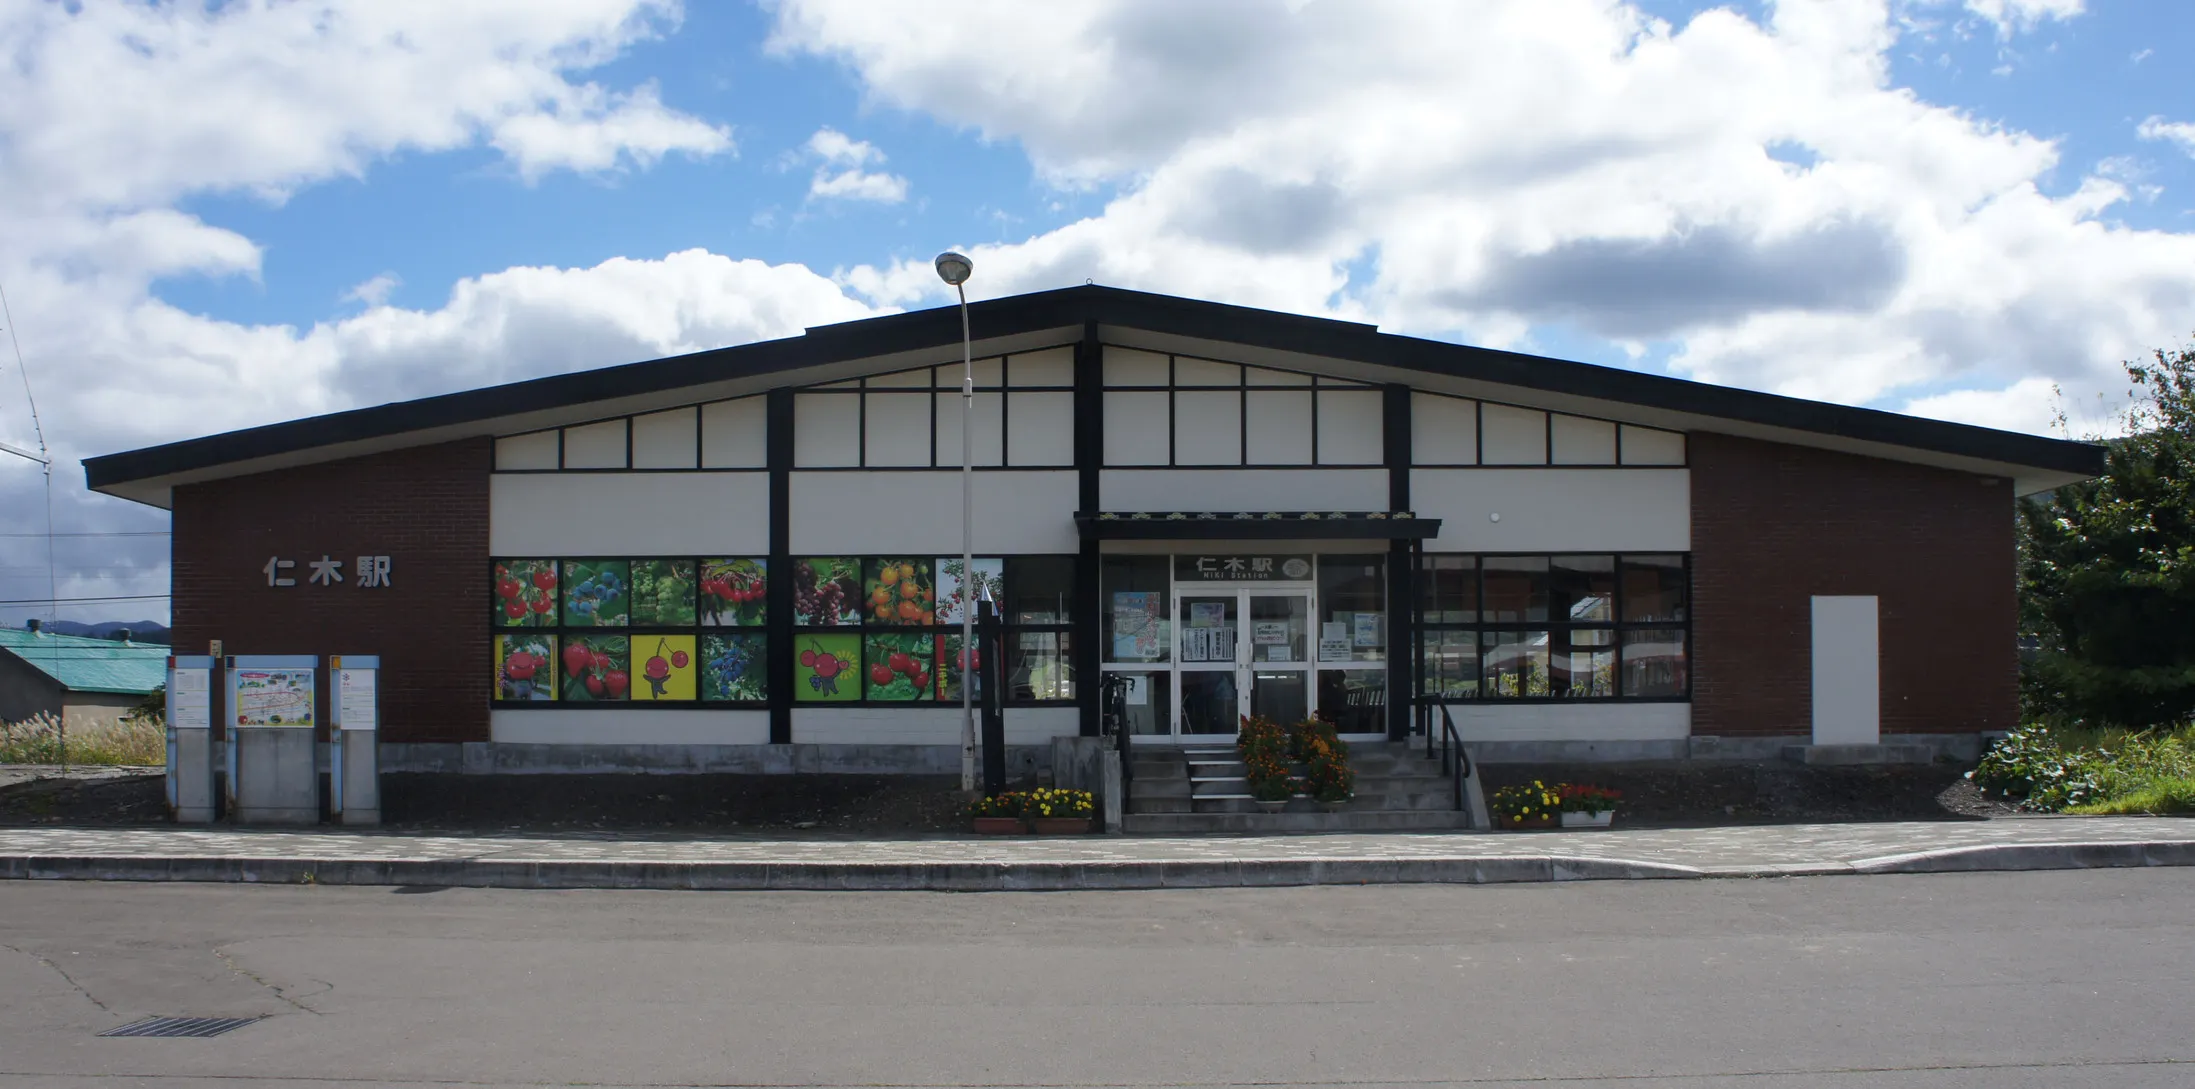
(1242, 651)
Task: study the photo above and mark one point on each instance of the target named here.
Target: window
(1179, 410)
(911, 419)
(615, 630)
(718, 435)
(891, 626)
(1568, 626)
(1458, 431)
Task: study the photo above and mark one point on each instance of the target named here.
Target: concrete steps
(1205, 788)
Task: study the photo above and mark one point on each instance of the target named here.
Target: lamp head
(953, 268)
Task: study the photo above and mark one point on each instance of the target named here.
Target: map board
(273, 697)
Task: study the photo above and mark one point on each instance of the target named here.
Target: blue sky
(230, 215)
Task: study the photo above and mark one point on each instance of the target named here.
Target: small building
(748, 558)
(84, 682)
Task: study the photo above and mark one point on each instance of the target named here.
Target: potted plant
(999, 814)
(1053, 812)
(1264, 748)
(1525, 805)
(1328, 777)
(1585, 806)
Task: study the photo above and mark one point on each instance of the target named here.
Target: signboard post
(354, 772)
(191, 798)
(273, 722)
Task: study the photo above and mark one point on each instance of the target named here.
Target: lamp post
(954, 269)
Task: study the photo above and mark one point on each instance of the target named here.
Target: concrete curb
(2035, 856)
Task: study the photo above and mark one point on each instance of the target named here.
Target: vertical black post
(991, 668)
(1089, 463)
(778, 581)
(1401, 572)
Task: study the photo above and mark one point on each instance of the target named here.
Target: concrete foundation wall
(500, 758)
(1565, 722)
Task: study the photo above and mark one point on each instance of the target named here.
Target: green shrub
(2055, 769)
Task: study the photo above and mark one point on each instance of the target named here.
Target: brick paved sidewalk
(365, 857)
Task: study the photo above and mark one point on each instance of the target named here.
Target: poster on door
(1139, 626)
(1208, 644)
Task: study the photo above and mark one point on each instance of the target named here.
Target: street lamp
(955, 269)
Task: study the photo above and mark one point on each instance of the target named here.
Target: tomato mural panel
(733, 593)
(827, 592)
(525, 667)
(897, 667)
(525, 593)
(828, 669)
(899, 592)
(597, 668)
(663, 593)
(733, 668)
(597, 593)
(990, 577)
(665, 668)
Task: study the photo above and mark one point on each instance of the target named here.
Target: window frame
(1559, 630)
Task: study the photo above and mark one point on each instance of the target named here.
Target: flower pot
(1273, 807)
(1060, 826)
(1513, 824)
(999, 826)
(1588, 820)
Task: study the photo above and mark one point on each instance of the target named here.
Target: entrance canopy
(1177, 525)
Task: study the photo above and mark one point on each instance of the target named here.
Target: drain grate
(181, 1026)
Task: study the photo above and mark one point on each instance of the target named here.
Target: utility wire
(53, 578)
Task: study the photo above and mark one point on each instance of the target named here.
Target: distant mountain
(141, 631)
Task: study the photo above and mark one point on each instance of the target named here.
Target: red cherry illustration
(658, 668)
(921, 681)
(679, 659)
(827, 666)
(880, 674)
(807, 659)
(618, 681)
(901, 663)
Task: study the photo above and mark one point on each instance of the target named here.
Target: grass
(2098, 771)
(137, 742)
(2162, 796)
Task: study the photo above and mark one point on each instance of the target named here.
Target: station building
(747, 559)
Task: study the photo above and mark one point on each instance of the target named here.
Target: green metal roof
(90, 665)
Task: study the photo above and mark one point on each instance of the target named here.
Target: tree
(2107, 569)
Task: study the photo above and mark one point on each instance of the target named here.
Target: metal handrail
(1458, 769)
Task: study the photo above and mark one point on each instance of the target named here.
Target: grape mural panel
(525, 667)
(733, 668)
(899, 592)
(990, 577)
(597, 593)
(663, 593)
(525, 593)
(827, 592)
(829, 669)
(665, 669)
(733, 593)
(597, 668)
(897, 666)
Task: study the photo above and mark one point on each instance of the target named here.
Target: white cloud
(1484, 169)
(375, 290)
(2181, 133)
(2018, 16)
(836, 149)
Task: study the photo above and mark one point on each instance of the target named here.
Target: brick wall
(426, 508)
(1773, 525)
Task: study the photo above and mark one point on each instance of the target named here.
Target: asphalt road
(1924, 982)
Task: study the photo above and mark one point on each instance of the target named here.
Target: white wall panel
(919, 378)
(1648, 446)
(1557, 510)
(1136, 429)
(664, 440)
(1349, 428)
(1576, 440)
(918, 512)
(556, 726)
(735, 434)
(1243, 489)
(1040, 427)
(1847, 683)
(1205, 372)
(1278, 427)
(826, 430)
(1130, 367)
(1050, 367)
(618, 514)
(1512, 436)
(1207, 427)
(535, 451)
(595, 446)
(896, 429)
(984, 412)
(1572, 721)
(1443, 430)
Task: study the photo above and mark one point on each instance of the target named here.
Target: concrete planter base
(1000, 826)
(1588, 820)
(1060, 826)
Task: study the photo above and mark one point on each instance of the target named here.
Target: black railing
(1455, 763)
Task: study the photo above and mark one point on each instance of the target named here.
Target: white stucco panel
(636, 514)
(1572, 721)
(897, 513)
(1556, 510)
(545, 726)
(1243, 489)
